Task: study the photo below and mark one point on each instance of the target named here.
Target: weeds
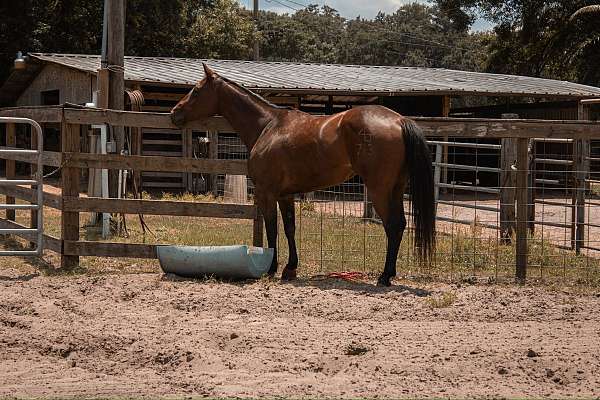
(444, 300)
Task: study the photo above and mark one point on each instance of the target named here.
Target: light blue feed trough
(228, 262)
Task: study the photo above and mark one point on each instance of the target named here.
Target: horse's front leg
(288, 214)
(267, 205)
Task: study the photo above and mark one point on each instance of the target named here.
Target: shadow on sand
(321, 283)
(41, 266)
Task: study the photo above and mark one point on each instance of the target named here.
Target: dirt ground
(154, 336)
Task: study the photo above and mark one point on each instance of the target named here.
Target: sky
(347, 8)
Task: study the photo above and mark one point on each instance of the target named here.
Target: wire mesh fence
(476, 186)
(337, 228)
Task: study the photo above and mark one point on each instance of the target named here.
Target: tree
(535, 37)
(221, 31)
(414, 35)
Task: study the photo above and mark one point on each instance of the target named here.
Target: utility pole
(256, 48)
(112, 69)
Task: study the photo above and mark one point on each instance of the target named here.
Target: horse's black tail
(420, 170)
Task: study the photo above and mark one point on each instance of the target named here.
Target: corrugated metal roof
(331, 78)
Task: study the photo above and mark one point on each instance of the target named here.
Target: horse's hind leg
(288, 214)
(390, 208)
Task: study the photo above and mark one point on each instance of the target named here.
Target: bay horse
(293, 152)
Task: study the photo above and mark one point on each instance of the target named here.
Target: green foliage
(531, 37)
(222, 31)
(537, 37)
(415, 35)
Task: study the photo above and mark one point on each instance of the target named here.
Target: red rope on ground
(351, 276)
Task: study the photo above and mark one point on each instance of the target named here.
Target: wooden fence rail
(71, 118)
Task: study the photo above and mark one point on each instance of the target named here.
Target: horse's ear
(209, 73)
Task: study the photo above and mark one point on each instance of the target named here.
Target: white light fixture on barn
(20, 61)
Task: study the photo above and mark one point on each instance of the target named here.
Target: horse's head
(200, 103)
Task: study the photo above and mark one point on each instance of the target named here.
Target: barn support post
(508, 158)
(11, 141)
(70, 189)
(522, 209)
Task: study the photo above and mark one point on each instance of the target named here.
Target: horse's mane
(254, 95)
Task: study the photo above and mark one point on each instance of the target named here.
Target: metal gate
(34, 157)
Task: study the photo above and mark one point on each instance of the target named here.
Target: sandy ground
(154, 336)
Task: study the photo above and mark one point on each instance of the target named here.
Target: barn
(50, 79)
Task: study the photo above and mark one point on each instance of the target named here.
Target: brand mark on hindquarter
(366, 143)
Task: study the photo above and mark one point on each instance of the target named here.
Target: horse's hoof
(288, 275)
(384, 282)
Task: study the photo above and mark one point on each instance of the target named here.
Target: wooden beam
(503, 128)
(50, 242)
(100, 249)
(70, 188)
(50, 200)
(50, 158)
(156, 164)
(139, 119)
(457, 127)
(159, 207)
(41, 114)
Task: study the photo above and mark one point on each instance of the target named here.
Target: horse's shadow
(321, 283)
(361, 287)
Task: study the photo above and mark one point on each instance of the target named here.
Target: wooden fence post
(11, 141)
(70, 189)
(508, 185)
(522, 208)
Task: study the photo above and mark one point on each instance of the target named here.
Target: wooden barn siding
(74, 86)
